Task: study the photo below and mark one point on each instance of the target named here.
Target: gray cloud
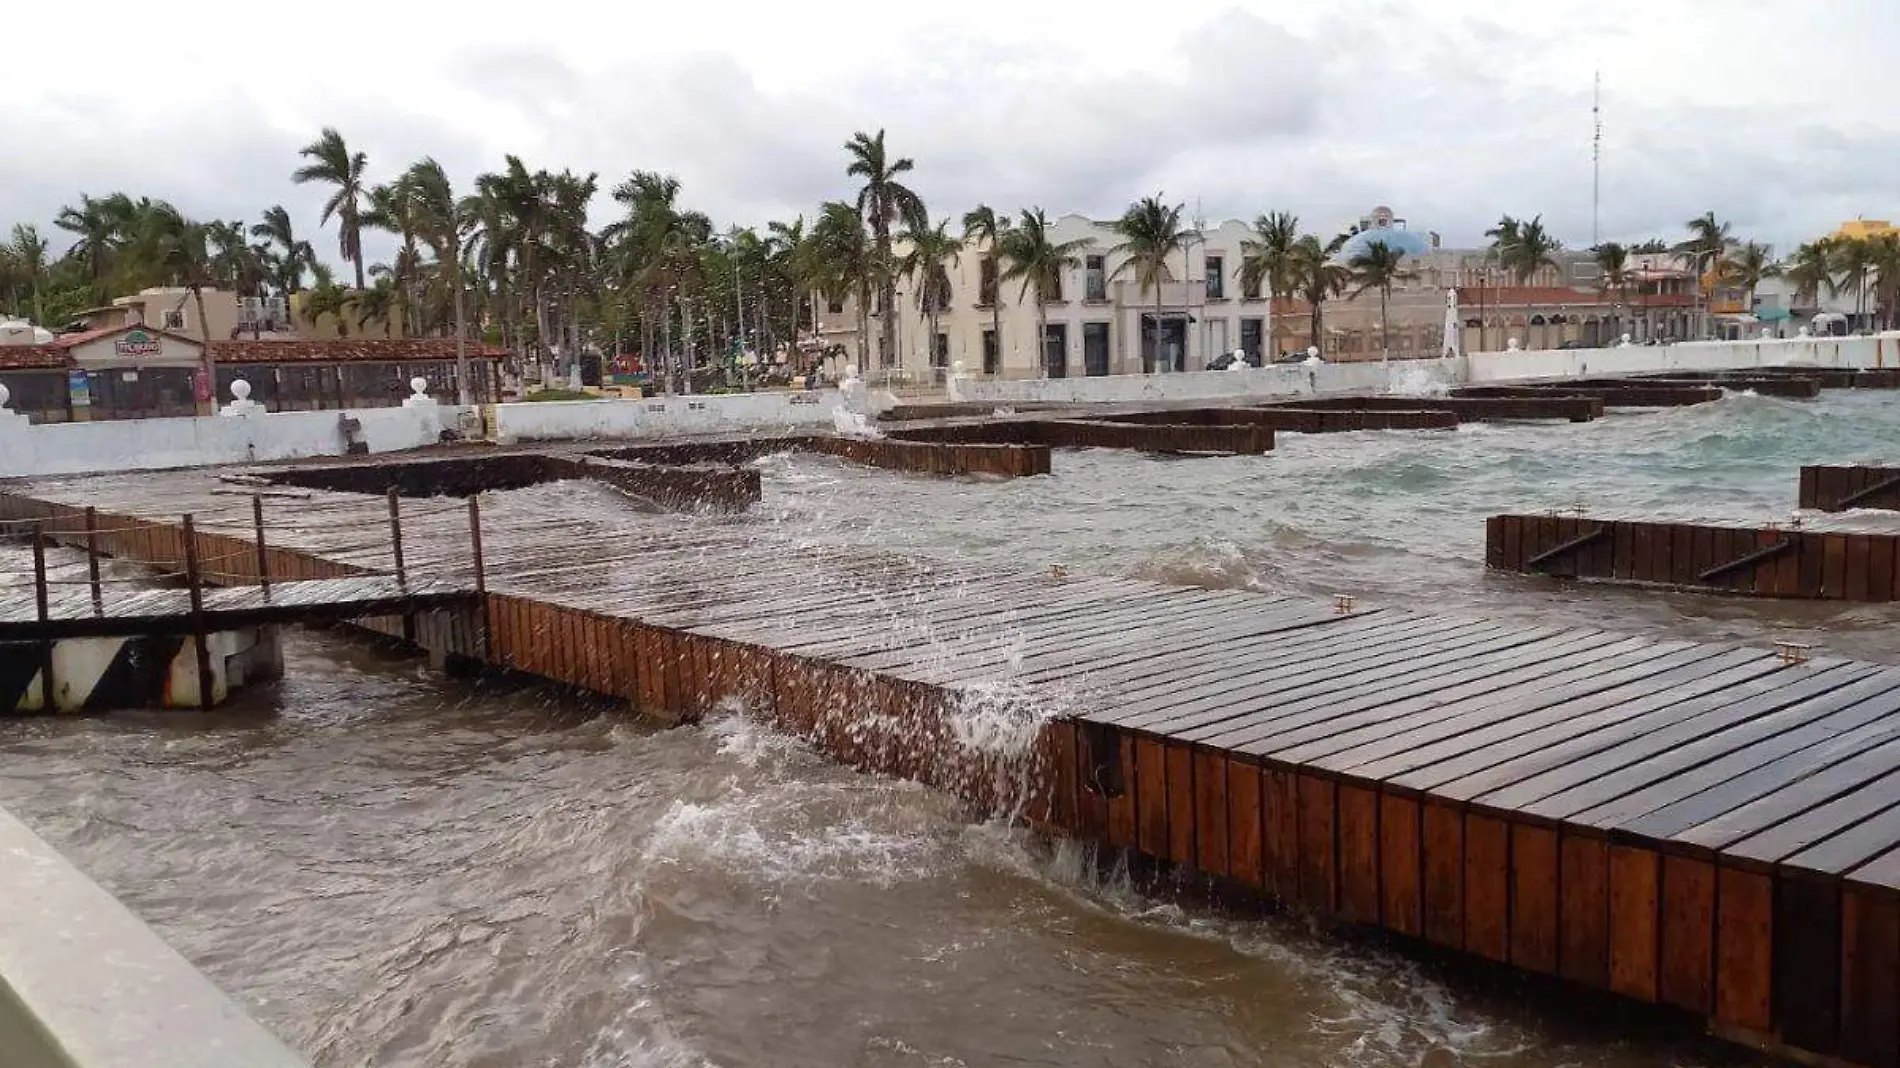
(1374, 104)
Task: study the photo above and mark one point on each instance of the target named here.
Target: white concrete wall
(656, 417)
(84, 984)
(1414, 376)
(151, 444)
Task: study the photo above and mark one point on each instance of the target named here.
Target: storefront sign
(200, 385)
(79, 389)
(136, 343)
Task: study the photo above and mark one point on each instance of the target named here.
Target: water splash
(1415, 381)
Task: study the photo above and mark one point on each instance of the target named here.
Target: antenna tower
(1596, 154)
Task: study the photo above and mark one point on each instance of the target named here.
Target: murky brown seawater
(393, 868)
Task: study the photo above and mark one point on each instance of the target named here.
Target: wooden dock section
(1700, 826)
(1836, 565)
(1837, 489)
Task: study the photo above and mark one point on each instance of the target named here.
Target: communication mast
(1596, 154)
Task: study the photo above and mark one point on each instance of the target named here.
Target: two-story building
(1101, 320)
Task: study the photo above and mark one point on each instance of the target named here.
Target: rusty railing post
(194, 589)
(92, 560)
(263, 556)
(481, 573)
(43, 613)
(475, 541)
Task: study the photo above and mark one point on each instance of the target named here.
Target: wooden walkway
(121, 611)
(1703, 826)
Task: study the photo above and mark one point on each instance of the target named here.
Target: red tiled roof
(67, 341)
(32, 357)
(348, 350)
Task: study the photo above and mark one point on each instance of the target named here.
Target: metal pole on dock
(44, 614)
(475, 541)
(195, 590)
(481, 571)
(92, 560)
(395, 536)
(263, 557)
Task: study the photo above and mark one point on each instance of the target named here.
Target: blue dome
(1403, 240)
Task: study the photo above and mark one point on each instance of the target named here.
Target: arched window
(1537, 320)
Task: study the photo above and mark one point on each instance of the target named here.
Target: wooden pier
(1785, 561)
(1700, 826)
(1837, 489)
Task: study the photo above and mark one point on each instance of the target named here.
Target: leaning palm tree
(1267, 257)
(1532, 250)
(95, 226)
(1037, 259)
(296, 255)
(440, 220)
(1613, 272)
(1886, 260)
(1319, 277)
(1810, 270)
(929, 248)
(27, 255)
(981, 225)
(882, 202)
(837, 264)
(1707, 242)
(1747, 266)
(1151, 231)
(1854, 262)
(181, 248)
(392, 209)
(333, 163)
(1378, 266)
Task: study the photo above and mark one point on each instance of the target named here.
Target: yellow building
(1862, 229)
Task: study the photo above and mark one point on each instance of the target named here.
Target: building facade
(132, 372)
(1101, 321)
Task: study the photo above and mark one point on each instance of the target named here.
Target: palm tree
(838, 263)
(1268, 257)
(439, 220)
(180, 247)
(96, 226)
(983, 226)
(883, 201)
(1037, 260)
(1810, 270)
(1378, 266)
(1318, 277)
(328, 298)
(1708, 241)
(1746, 267)
(1151, 232)
(379, 302)
(332, 162)
(1886, 262)
(27, 256)
(930, 248)
(297, 255)
(392, 209)
(1613, 271)
(1853, 261)
(1533, 250)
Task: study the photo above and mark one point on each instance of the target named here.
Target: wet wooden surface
(1696, 825)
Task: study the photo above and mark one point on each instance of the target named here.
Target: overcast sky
(1778, 116)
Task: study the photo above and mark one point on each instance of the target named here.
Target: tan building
(1102, 321)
